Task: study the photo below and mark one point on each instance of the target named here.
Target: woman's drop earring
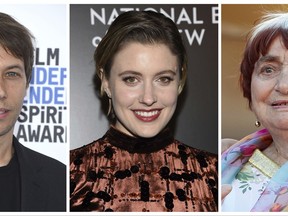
(110, 106)
(257, 123)
(107, 93)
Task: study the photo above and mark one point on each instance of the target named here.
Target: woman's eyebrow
(269, 58)
(140, 74)
(266, 59)
(166, 71)
(130, 72)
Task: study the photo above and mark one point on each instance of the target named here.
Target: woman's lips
(147, 115)
(280, 104)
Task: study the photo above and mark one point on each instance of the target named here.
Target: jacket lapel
(32, 191)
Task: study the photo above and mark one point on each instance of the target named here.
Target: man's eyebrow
(17, 66)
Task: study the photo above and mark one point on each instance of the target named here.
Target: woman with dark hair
(138, 165)
(256, 167)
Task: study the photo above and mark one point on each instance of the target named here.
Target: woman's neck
(278, 150)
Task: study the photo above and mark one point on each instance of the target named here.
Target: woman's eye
(165, 80)
(268, 70)
(130, 80)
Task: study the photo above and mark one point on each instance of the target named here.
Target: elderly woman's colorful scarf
(233, 159)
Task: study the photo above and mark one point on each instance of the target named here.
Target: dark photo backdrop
(196, 119)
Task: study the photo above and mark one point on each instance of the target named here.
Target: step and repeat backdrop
(196, 119)
(43, 121)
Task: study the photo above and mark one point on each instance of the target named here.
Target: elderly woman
(138, 165)
(256, 167)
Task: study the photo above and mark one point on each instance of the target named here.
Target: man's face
(12, 90)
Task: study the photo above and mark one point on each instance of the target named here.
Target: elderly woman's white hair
(275, 21)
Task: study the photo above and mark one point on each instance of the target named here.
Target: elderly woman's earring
(257, 123)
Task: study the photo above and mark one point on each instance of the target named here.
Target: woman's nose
(148, 95)
(282, 82)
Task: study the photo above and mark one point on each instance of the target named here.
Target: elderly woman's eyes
(269, 70)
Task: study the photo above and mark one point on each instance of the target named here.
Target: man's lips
(3, 112)
(147, 115)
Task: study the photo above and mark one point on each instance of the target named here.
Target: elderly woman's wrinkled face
(143, 85)
(269, 87)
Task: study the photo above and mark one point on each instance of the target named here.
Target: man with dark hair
(29, 181)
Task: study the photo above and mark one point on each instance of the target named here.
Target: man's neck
(6, 149)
